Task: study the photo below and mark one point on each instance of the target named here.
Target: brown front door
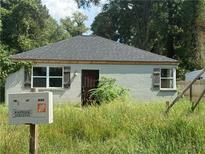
(89, 81)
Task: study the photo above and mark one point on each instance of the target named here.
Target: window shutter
(27, 77)
(156, 78)
(66, 77)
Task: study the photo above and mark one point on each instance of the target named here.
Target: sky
(62, 8)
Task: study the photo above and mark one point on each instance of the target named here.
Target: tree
(200, 22)
(8, 66)
(22, 26)
(74, 25)
(26, 24)
(164, 27)
(126, 21)
(54, 32)
(178, 28)
(86, 3)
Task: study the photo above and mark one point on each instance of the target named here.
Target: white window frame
(32, 76)
(47, 77)
(168, 78)
(56, 77)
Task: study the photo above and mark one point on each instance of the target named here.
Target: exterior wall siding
(136, 78)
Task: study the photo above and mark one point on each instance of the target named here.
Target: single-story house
(70, 68)
(191, 75)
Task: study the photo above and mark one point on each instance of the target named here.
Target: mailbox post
(33, 141)
(31, 108)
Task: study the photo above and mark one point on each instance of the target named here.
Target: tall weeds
(118, 127)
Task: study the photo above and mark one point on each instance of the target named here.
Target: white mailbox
(31, 108)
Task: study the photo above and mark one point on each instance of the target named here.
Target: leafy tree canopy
(22, 26)
(75, 25)
(8, 66)
(26, 24)
(164, 27)
(86, 3)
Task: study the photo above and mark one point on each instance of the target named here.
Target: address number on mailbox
(21, 113)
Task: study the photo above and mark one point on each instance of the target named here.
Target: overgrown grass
(112, 128)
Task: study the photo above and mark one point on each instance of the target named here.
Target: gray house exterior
(70, 68)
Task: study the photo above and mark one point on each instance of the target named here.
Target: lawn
(118, 127)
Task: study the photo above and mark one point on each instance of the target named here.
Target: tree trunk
(170, 36)
(2, 94)
(170, 46)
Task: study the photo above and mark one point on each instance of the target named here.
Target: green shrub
(108, 90)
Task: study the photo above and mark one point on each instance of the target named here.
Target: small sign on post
(31, 108)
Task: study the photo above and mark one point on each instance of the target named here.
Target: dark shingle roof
(93, 48)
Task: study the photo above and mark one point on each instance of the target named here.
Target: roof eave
(57, 61)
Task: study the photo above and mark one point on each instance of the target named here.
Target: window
(164, 78)
(46, 77)
(168, 79)
(55, 76)
(39, 76)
